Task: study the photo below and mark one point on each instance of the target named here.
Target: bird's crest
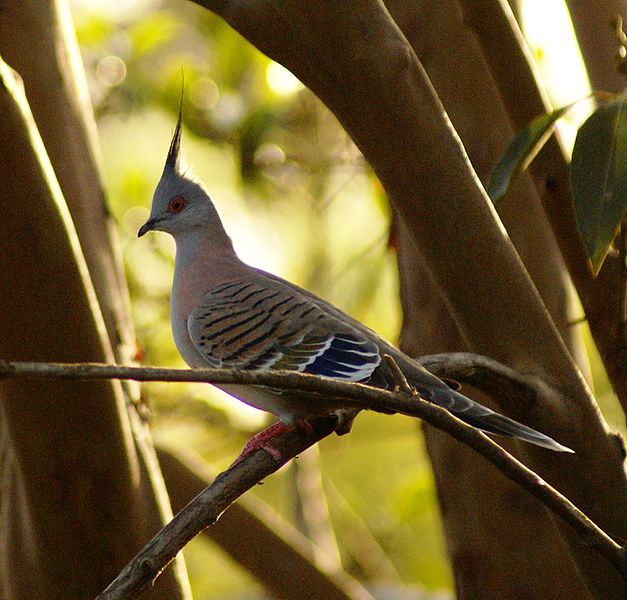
(174, 153)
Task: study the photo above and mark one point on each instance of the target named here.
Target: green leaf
(522, 151)
(598, 176)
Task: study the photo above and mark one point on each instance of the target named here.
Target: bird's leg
(263, 439)
(260, 441)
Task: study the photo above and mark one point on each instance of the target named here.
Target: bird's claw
(261, 441)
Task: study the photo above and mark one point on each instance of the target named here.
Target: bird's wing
(262, 324)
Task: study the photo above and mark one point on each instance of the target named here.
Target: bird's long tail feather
(487, 420)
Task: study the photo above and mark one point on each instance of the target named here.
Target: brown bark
(462, 80)
(521, 89)
(501, 542)
(365, 71)
(81, 489)
(38, 41)
(606, 308)
(484, 373)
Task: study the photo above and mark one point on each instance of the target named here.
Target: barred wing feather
(265, 325)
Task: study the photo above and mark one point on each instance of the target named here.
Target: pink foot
(261, 441)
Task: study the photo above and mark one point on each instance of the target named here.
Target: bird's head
(180, 204)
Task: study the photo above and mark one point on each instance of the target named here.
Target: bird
(227, 314)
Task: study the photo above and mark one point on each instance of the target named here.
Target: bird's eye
(176, 204)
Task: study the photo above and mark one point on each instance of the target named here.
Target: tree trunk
(81, 488)
(592, 21)
(523, 95)
(459, 74)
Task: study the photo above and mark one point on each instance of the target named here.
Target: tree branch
(521, 88)
(52, 463)
(598, 42)
(502, 384)
(464, 366)
(259, 539)
(455, 63)
(206, 508)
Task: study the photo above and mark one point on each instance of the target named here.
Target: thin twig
(399, 377)
(246, 531)
(235, 481)
(490, 376)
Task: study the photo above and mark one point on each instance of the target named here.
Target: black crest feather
(174, 153)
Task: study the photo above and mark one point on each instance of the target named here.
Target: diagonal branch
(502, 384)
(251, 530)
(522, 91)
(206, 508)
(109, 457)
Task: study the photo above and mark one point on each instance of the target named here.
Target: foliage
(521, 151)
(598, 176)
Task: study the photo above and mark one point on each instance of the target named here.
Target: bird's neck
(204, 259)
(203, 243)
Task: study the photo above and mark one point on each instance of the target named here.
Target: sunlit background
(298, 200)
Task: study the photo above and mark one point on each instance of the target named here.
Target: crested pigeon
(225, 313)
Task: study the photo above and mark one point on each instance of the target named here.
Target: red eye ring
(176, 205)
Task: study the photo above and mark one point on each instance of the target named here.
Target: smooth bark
(523, 94)
(592, 21)
(39, 42)
(461, 77)
(80, 488)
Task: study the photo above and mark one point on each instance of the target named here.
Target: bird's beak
(149, 225)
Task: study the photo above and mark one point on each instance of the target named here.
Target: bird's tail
(483, 418)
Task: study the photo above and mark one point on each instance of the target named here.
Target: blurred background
(298, 200)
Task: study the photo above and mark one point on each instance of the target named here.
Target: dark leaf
(598, 175)
(521, 152)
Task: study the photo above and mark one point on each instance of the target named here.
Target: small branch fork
(205, 509)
